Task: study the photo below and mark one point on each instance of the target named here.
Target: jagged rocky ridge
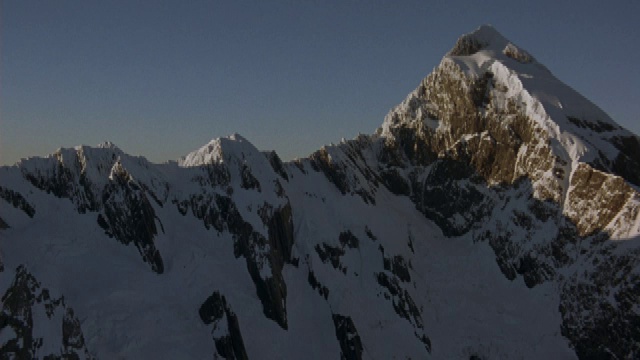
(494, 214)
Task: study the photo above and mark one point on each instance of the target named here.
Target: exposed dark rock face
(271, 290)
(332, 254)
(281, 238)
(213, 309)
(208, 208)
(66, 178)
(395, 182)
(16, 315)
(511, 234)
(627, 163)
(402, 302)
(17, 200)
(370, 234)
(516, 54)
(214, 175)
(481, 90)
(276, 164)
(3, 224)
(451, 195)
(347, 334)
(18, 304)
(320, 161)
(466, 45)
(398, 267)
(316, 285)
(72, 337)
(129, 216)
(597, 126)
(349, 240)
(248, 180)
(608, 296)
(592, 189)
(226, 327)
(425, 341)
(350, 173)
(259, 251)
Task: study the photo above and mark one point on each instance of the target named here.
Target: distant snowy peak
(233, 160)
(82, 173)
(219, 150)
(210, 153)
(107, 145)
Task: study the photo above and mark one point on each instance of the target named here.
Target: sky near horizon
(162, 78)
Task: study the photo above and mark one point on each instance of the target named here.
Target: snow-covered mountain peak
(209, 153)
(219, 150)
(107, 145)
(486, 82)
(119, 173)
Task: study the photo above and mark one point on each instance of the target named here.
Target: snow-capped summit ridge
(517, 78)
(107, 145)
(219, 150)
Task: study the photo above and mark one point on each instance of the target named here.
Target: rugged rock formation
(347, 334)
(129, 217)
(18, 201)
(226, 328)
(24, 297)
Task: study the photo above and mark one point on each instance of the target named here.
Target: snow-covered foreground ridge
(494, 215)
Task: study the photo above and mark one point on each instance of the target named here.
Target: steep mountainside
(495, 214)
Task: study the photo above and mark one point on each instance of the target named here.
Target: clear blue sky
(161, 78)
